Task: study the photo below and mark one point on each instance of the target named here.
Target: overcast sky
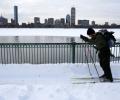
(98, 10)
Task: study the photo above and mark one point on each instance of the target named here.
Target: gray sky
(97, 10)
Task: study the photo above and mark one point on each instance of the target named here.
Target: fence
(45, 53)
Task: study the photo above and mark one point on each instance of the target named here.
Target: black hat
(90, 31)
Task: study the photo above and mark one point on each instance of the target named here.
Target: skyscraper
(36, 20)
(68, 20)
(72, 16)
(16, 14)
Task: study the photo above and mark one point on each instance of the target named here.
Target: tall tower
(68, 20)
(16, 14)
(72, 16)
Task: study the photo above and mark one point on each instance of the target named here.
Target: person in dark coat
(103, 54)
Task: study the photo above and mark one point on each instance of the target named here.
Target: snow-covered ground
(53, 82)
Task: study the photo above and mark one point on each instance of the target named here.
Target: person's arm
(89, 40)
(86, 39)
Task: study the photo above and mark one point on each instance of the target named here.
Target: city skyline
(98, 10)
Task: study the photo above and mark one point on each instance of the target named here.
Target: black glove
(81, 36)
(84, 38)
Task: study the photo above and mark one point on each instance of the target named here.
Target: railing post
(73, 52)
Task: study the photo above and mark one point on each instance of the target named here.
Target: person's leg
(101, 64)
(105, 63)
(106, 66)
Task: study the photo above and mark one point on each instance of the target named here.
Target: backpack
(109, 37)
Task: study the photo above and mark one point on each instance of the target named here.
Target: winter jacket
(98, 40)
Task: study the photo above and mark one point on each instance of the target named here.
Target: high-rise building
(68, 20)
(57, 23)
(106, 23)
(50, 21)
(36, 20)
(62, 20)
(16, 15)
(83, 23)
(72, 16)
(93, 23)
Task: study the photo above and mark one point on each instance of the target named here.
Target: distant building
(106, 24)
(36, 20)
(3, 21)
(46, 21)
(12, 21)
(83, 23)
(57, 23)
(16, 15)
(62, 21)
(114, 25)
(68, 20)
(50, 21)
(24, 25)
(72, 17)
(93, 23)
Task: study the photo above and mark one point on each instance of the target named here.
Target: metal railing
(45, 53)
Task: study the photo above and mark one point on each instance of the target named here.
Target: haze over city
(98, 10)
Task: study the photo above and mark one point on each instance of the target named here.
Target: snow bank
(53, 82)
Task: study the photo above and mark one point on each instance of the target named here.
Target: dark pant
(104, 57)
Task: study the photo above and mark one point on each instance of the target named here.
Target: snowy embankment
(53, 82)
